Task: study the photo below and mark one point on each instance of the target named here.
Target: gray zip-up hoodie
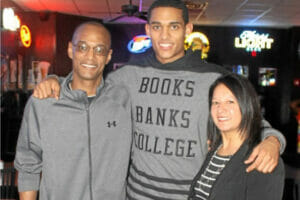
(82, 149)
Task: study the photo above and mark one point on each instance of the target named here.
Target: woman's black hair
(250, 125)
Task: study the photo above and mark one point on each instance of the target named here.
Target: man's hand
(28, 195)
(265, 155)
(47, 88)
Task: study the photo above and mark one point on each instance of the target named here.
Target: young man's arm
(266, 186)
(28, 195)
(265, 155)
(48, 88)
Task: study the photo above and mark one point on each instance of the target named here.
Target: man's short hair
(92, 23)
(170, 3)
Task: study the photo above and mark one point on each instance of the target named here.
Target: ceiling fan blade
(142, 15)
(116, 18)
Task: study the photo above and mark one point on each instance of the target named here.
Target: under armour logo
(113, 123)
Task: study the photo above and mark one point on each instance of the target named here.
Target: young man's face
(85, 51)
(167, 31)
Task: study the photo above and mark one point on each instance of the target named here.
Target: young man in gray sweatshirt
(169, 90)
(81, 142)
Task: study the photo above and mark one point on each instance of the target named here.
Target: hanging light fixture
(10, 20)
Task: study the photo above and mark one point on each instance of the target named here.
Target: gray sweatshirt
(169, 110)
(82, 149)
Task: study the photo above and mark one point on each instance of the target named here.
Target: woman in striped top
(234, 127)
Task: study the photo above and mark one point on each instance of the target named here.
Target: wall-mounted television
(241, 70)
(267, 76)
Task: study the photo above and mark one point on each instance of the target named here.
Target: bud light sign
(139, 44)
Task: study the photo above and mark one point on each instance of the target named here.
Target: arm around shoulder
(28, 195)
(120, 76)
(50, 87)
(267, 131)
(262, 186)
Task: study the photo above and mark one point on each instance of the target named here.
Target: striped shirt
(210, 175)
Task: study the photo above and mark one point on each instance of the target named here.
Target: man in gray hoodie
(81, 142)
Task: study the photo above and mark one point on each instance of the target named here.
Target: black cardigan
(234, 183)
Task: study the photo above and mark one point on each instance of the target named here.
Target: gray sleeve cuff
(273, 132)
(28, 182)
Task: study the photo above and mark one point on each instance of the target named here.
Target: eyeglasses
(82, 47)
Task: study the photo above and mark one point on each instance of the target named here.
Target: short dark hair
(170, 3)
(249, 105)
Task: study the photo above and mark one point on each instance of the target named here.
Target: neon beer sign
(139, 44)
(197, 41)
(253, 41)
(25, 36)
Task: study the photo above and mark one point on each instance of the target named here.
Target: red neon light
(25, 36)
(297, 82)
(140, 38)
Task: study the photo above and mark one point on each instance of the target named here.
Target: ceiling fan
(131, 10)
